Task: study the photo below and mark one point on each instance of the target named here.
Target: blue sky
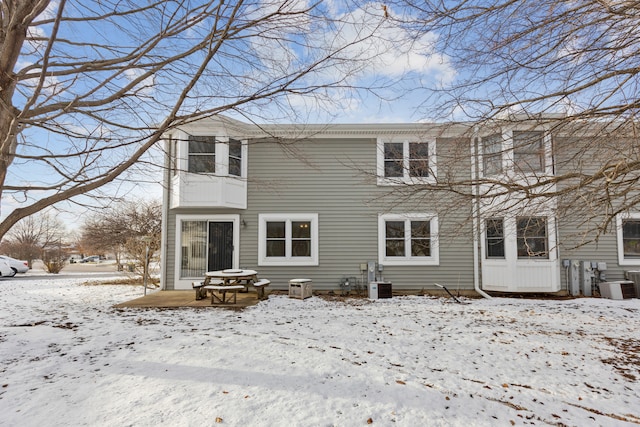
(394, 69)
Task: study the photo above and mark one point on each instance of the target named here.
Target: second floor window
(492, 154)
(528, 151)
(409, 162)
(202, 154)
(235, 157)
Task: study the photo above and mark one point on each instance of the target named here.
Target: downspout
(475, 170)
(166, 178)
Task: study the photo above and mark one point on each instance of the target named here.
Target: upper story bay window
(406, 162)
(209, 170)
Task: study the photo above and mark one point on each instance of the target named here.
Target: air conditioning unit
(618, 290)
(380, 290)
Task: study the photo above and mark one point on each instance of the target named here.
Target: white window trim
(621, 259)
(208, 218)
(406, 179)
(263, 260)
(407, 260)
(221, 155)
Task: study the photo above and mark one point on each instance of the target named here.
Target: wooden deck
(176, 299)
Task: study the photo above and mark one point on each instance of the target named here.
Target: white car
(5, 269)
(16, 265)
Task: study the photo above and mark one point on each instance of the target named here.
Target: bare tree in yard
(41, 236)
(127, 229)
(88, 87)
(570, 67)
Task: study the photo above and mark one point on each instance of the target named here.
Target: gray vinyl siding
(579, 219)
(335, 178)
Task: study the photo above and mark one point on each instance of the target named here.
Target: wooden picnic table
(231, 281)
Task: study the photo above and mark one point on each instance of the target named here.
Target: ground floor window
(532, 237)
(494, 237)
(408, 239)
(629, 239)
(288, 239)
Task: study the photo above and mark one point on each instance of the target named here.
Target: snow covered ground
(67, 358)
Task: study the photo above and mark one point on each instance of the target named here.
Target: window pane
(301, 248)
(393, 169)
(193, 247)
(420, 229)
(394, 229)
(235, 167)
(631, 238)
(301, 230)
(532, 237)
(420, 247)
(393, 160)
(275, 248)
(202, 144)
(395, 247)
(418, 150)
(235, 148)
(202, 164)
(275, 230)
(494, 238)
(528, 151)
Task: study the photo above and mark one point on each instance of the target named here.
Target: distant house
(336, 202)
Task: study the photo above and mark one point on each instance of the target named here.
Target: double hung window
(406, 162)
(288, 239)
(408, 239)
